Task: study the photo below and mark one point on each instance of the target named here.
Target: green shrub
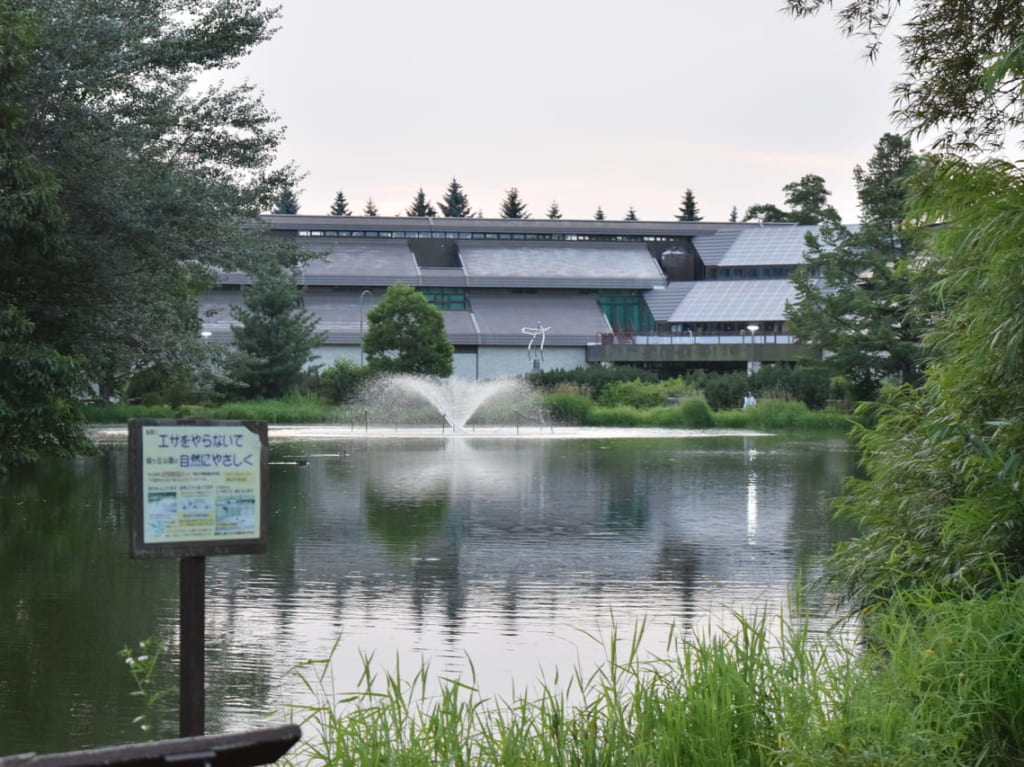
(566, 407)
(691, 413)
(696, 413)
(777, 414)
(594, 379)
(621, 415)
(342, 381)
(639, 394)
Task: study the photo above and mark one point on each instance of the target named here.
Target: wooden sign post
(196, 488)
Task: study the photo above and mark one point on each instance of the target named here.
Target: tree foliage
(455, 204)
(287, 202)
(946, 461)
(513, 206)
(125, 184)
(39, 394)
(807, 203)
(941, 505)
(407, 335)
(963, 62)
(631, 214)
(340, 205)
(370, 209)
(688, 210)
(554, 212)
(421, 206)
(599, 214)
(274, 336)
(856, 299)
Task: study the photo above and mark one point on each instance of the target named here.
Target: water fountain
(452, 402)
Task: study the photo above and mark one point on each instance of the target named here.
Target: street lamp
(751, 329)
(362, 295)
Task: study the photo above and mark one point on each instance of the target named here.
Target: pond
(499, 561)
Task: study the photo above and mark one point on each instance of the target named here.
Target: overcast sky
(615, 104)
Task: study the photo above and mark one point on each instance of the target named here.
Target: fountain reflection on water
(455, 401)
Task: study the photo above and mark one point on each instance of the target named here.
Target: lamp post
(751, 329)
(362, 295)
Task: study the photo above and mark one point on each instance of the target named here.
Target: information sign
(198, 487)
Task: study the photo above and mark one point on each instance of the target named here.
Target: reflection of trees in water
(678, 563)
(402, 522)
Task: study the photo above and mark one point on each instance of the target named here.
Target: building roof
(552, 265)
(734, 300)
(767, 245)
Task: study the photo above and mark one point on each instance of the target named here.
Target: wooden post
(192, 613)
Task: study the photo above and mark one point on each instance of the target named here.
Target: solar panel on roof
(735, 301)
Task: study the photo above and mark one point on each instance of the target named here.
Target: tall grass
(740, 698)
(940, 683)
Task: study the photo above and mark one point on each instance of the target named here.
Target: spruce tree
(421, 206)
(512, 206)
(287, 202)
(370, 209)
(688, 210)
(455, 204)
(734, 215)
(340, 206)
(599, 214)
(554, 212)
(631, 214)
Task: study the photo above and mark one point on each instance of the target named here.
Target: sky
(596, 103)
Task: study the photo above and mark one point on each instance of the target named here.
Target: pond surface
(500, 560)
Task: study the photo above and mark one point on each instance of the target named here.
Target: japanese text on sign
(200, 483)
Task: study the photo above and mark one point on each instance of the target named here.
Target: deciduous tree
(407, 335)
(125, 184)
(960, 82)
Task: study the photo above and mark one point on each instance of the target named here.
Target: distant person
(749, 400)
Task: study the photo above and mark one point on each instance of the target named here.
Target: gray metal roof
(582, 265)
(735, 301)
(713, 247)
(361, 262)
(664, 301)
(608, 227)
(573, 318)
(761, 245)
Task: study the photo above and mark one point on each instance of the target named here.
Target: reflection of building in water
(438, 524)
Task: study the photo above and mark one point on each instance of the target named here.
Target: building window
(626, 310)
(447, 299)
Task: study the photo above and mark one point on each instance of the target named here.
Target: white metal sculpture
(536, 353)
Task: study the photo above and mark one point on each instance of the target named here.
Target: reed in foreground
(738, 698)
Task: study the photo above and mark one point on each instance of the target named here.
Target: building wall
(489, 362)
(502, 361)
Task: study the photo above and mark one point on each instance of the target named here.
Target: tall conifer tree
(512, 206)
(421, 206)
(340, 206)
(688, 210)
(455, 204)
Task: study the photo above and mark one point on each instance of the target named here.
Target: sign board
(197, 487)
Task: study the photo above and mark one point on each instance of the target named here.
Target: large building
(522, 294)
